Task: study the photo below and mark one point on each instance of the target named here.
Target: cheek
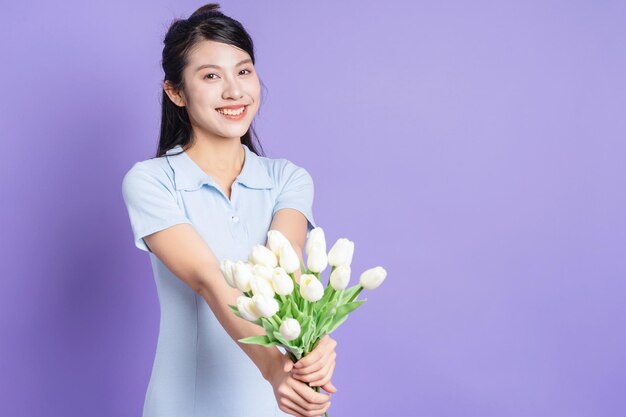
(254, 87)
(202, 102)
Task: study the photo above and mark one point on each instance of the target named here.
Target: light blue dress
(199, 370)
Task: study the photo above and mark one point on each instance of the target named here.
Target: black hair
(206, 23)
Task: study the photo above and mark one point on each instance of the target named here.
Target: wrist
(273, 365)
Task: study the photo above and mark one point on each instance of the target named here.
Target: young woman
(206, 196)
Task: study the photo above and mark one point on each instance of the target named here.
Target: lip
(233, 107)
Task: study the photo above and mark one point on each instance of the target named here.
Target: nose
(232, 90)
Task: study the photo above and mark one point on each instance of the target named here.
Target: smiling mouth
(233, 113)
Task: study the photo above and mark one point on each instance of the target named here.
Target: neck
(221, 157)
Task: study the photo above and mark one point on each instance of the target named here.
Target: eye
(207, 76)
(246, 69)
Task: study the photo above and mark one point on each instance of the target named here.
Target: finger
(309, 370)
(324, 347)
(318, 366)
(299, 377)
(308, 394)
(321, 351)
(314, 413)
(304, 407)
(289, 407)
(328, 385)
(329, 339)
(329, 343)
(309, 359)
(288, 365)
(320, 377)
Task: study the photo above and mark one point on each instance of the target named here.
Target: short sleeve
(297, 192)
(151, 203)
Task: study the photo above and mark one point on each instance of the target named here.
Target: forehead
(217, 53)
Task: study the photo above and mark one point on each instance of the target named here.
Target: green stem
(355, 294)
(333, 292)
(296, 289)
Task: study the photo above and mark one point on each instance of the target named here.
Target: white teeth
(231, 112)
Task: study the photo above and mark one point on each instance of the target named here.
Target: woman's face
(219, 75)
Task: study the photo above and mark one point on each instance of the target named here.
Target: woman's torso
(198, 368)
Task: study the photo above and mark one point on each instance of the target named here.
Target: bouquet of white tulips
(297, 315)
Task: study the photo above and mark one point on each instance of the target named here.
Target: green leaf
(308, 334)
(342, 314)
(305, 324)
(295, 351)
(233, 308)
(283, 306)
(326, 312)
(268, 327)
(286, 343)
(349, 308)
(322, 301)
(297, 313)
(257, 340)
(333, 324)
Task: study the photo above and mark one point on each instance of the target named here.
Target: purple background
(476, 150)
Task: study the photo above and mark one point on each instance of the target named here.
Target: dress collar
(189, 176)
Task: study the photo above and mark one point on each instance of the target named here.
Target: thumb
(288, 365)
(329, 387)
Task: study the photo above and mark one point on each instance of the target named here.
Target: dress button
(234, 218)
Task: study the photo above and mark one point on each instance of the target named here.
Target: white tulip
(340, 277)
(260, 285)
(282, 283)
(267, 306)
(263, 271)
(262, 255)
(247, 309)
(290, 329)
(311, 288)
(227, 267)
(275, 240)
(289, 259)
(317, 259)
(373, 277)
(316, 236)
(341, 252)
(243, 275)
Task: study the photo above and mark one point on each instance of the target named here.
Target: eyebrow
(245, 61)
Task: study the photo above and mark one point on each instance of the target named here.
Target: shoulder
(283, 170)
(149, 173)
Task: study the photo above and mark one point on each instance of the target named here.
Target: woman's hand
(316, 368)
(295, 397)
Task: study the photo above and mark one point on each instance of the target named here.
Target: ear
(176, 96)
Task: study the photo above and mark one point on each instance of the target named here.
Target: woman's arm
(188, 256)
